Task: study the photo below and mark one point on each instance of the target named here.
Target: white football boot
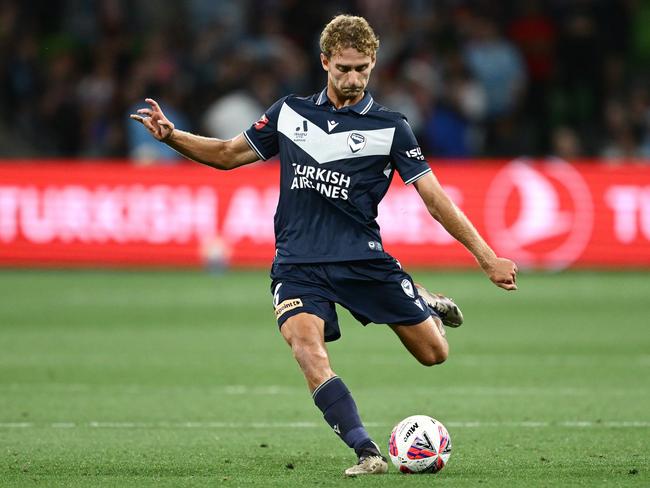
(370, 462)
(444, 307)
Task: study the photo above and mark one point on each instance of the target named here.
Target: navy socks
(333, 399)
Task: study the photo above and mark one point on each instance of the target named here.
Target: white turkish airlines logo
(539, 215)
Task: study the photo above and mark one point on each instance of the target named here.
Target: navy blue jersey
(336, 166)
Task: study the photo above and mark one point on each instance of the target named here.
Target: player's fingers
(149, 124)
(145, 111)
(505, 283)
(507, 286)
(137, 118)
(153, 103)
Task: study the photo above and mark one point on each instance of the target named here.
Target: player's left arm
(501, 271)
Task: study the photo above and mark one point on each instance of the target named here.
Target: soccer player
(339, 150)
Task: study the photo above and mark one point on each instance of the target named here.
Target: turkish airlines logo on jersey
(259, 125)
(539, 215)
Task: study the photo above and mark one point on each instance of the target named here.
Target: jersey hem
(254, 147)
(417, 176)
(330, 259)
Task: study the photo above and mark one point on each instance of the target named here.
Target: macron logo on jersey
(331, 125)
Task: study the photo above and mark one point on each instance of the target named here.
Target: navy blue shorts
(376, 291)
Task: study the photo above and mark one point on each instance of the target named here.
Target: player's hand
(154, 120)
(503, 273)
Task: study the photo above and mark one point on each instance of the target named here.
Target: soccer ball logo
(419, 444)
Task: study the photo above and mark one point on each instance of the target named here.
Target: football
(419, 444)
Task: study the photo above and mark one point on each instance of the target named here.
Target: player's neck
(339, 102)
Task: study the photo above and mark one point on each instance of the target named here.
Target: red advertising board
(547, 215)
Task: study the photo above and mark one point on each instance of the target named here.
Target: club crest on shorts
(408, 288)
(356, 142)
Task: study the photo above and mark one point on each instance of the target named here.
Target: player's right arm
(213, 152)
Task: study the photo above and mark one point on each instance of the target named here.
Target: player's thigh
(304, 328)
(424, 341)
(378, 291)
(298, 290)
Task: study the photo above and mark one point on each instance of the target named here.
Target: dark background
(475, 78)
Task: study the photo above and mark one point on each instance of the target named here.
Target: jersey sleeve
(406, 154)
(262, 136)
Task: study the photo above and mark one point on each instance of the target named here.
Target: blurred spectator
(534, 32)
(566, 144)
(475, 78)
(624, 138)
(580, 65)
(498, 67)
(412, 91)
(453, 126)
(232, 114)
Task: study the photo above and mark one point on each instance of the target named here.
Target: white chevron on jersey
(324, 147)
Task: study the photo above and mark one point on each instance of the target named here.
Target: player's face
(348, 73)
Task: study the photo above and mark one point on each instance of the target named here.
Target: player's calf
(304, 334)
(424, 341)
(436, 354)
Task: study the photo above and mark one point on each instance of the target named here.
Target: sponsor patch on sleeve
(259, 125)
(287, 305)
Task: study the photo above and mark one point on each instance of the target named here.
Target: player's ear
(325, 62)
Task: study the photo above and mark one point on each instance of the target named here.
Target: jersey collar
(362, 107)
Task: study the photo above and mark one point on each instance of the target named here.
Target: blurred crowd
(541, 78)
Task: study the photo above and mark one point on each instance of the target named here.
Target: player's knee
(306, 351)
(307, 348)
(435, 355)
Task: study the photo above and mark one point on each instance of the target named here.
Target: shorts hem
(287, 315)
(413, 322)
(328, 337)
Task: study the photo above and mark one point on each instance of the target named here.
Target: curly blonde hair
(345, 31)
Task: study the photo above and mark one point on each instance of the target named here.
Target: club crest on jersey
(356, 142)
(408, 288)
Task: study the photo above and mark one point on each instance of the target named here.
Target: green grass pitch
(181, 379)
